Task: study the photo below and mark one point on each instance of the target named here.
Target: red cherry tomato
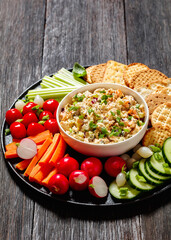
(92, 166)
(54, 115)
(67, 165)
(50, 105)
(46, 115)
(29, 118)
(28, 108)
(58, 184)
(34, 129)
(78, 180)
(12, 115)
(113, 166)
(52, 126)
(18, 130)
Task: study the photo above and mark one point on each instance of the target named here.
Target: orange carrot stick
(48, 154)
(11, 154)
(41, 137)
(39, 146)
(34, 171)
(59, 152)
(11, 146)
(23, 164)
(42, 173)
(37, 157)
(46, 179)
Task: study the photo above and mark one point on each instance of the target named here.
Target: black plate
(76, 198)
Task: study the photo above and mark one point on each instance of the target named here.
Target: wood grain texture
(40, 37)
(21, 38)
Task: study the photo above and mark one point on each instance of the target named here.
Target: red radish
(29, 107)
(67, 165)
(12, 115)
(97, 187)
(50, 105)
(92, 166)
(18, 130)
(45, 115)
(28, 118)
(52, 126)
(27, 149)
(114, 165)
(58, 184)
(34, 128)
(78, 180)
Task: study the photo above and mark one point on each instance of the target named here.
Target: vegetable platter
(103, 198)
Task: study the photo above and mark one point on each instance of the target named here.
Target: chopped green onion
(118, 119)
(81, 117)
(74, 108)
(103, 91)
(112, 113)
(121, 124)
(137, 105)
(92, 125)
(129, 117)
(118, 112)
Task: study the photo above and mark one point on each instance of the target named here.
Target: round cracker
(161, 116)
(155, 136)
(132, 70)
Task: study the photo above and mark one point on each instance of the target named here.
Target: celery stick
(54, 82)
(44, 85)
(65, 79)
(62, 79)
(70, 74)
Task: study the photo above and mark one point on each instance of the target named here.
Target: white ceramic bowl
(103, 150)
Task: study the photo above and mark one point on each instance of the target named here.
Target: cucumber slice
(166, 150)
(137, 184)
(157, 166)
(149, 179)
(155, 175)
(114, 191)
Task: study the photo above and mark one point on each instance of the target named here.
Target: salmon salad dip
(104, 116)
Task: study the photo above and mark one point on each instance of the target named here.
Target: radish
(78, 180)
(92, 166)
(67, 165)
(114, 165)
(27, 149)
(98, 187)
(58, 184)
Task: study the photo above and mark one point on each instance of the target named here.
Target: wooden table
(39, 37)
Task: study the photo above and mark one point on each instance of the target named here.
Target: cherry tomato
(52, 126)
(34, 129)
(46, 115)
(58, 184)
(67, 165)
(28, 108)
(54, 115)
(50, 105)
(28, 118)
(113, 166)
(92, 166)
(12, 115)
(18, 130)
(78, 180)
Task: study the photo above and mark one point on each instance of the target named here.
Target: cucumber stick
(166, 150)
(158, 166)
(145, 174)
(138, 183)
(115, 191)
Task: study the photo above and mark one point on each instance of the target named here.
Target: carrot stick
(37, 157)
(34, 171)
(11, 146)
(39, 146)
(42, 173)
(41, 137)
(11, 154)
(59, 152)
(46, 179)
(47, 156)
(23, 164)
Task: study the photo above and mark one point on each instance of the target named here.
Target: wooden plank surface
(38, 38)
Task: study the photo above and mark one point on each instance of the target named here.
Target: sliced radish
(27, 149)
(98, 187)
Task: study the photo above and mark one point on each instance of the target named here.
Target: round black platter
(77, 198)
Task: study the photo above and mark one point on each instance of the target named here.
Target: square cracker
(114, 72)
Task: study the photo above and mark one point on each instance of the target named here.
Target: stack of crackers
(153, 85)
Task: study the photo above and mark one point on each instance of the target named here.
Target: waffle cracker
(95, 73)
(114, 72)
(132, 70)
(158, 97)
(148, 77)
(161, 116)
(155, 136)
